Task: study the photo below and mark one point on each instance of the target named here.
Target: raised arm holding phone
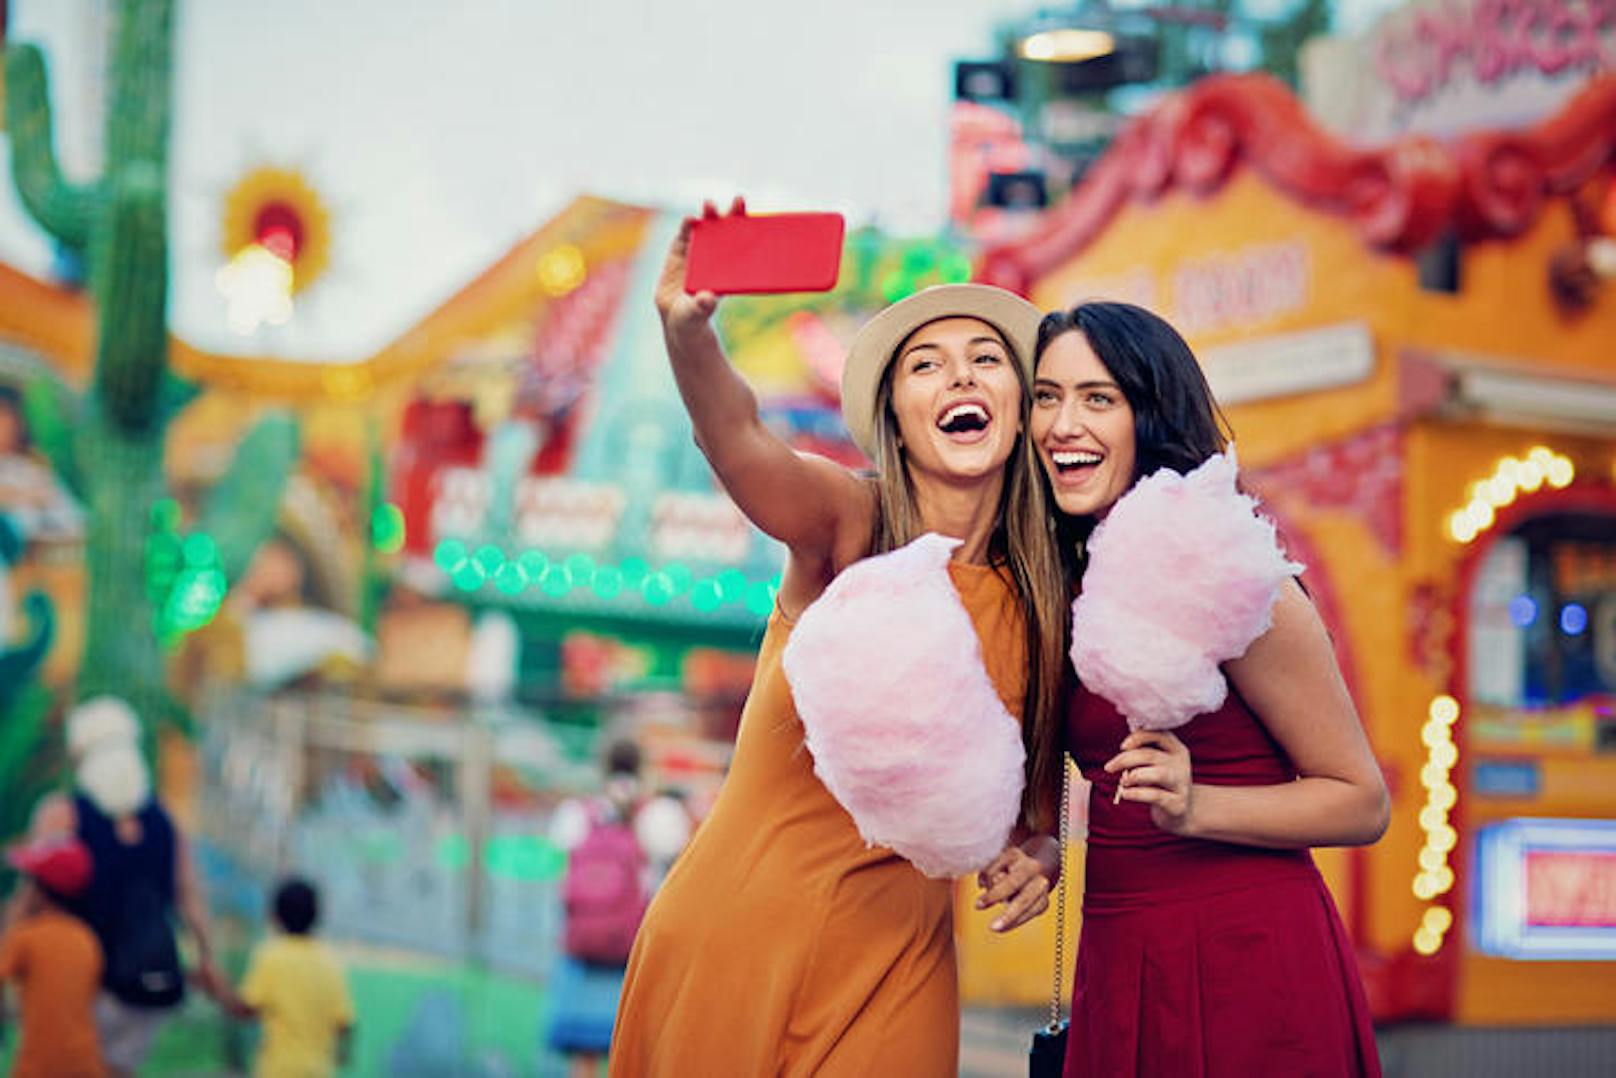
(786, 939)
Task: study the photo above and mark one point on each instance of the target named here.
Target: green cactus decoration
(30, 762)
(24, 702)
(20, 662)
(115, 458)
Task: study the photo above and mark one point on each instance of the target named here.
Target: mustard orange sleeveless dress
(780, 943)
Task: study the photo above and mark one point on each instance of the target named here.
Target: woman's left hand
(1155, 768)
(1021, 881)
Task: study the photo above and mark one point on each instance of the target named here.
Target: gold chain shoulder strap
(1060, 895)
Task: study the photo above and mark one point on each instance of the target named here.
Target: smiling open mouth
(964, 419)
(1074, 462)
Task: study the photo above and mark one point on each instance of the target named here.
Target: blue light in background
(1573, 619)
(1522, 611)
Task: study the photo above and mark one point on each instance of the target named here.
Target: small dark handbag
(1048, 1056)
(1047, 1059)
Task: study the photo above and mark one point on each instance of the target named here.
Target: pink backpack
(603, 892)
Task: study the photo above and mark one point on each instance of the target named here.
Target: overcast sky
(439, 134)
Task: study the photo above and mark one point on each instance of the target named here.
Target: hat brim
(61, 865)
(873, 348)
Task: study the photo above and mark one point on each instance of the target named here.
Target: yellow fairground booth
(1415, 344)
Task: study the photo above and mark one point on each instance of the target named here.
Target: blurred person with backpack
(143, 880)
(619, 846)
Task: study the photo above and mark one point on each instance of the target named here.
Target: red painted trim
(1509, 175)
(1399, 197)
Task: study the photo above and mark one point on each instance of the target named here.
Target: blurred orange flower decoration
(279, 210)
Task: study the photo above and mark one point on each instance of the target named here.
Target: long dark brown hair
(1177, 424)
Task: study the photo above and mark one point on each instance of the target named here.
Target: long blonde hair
(1023, 542)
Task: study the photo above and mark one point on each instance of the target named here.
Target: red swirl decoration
(1399, 197)
(1509, 175)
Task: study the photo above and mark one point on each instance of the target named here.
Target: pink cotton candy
(904, 724)
(1182, 576)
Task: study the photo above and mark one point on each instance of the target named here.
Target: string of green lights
(512, 574)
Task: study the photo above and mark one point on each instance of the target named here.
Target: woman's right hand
(1021, 878)
(684, 314)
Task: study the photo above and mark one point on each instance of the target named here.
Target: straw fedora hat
(873, 348)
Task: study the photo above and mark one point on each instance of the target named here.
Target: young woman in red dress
(1210, 945)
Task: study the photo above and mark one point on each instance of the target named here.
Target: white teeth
(960, 410)
(1067, 460)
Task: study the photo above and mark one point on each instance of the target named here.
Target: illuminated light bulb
(1460, 527)
(1540, 455)
(1427, 942)
(1067, 45)
(1522, 611)
(607, 582)
(1434, 733)
(1531, 476)
(556, 581)
(1508, 470)
(1424, 887)
(1444, 796)
(1443, 838)
(1445, 754)
(656, 589)
(1438, 919)
(257, 287)
(468, 576)
(1500, 492)
(1561, 472)
(1442, 879)
(705, 596)
(1433, 819)
(1481, 514)
(1444, 709)
(510, 578)
(562, 269)
(679, 577)
(1433, 775)
(1431, 860)
(759, 598)
(732, 585)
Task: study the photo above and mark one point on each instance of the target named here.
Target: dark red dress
(1203, 958)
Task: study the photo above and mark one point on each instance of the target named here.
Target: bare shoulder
(851, 493)
(857, 530)
(809, 571)
(1293, 662)
(1296, 625)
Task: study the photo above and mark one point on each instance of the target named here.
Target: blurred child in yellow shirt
(296, 988)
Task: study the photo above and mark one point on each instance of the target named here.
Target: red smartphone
(775, 252)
